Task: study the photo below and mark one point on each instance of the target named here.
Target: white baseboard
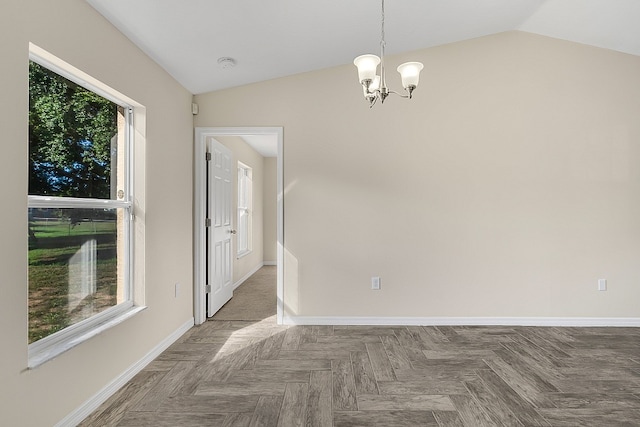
(269, 262)
(246, 276)
(84, 410)
(465, 321)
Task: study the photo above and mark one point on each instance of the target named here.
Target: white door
(219, 231)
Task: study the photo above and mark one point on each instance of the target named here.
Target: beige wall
(74, 32)
(507, 187)
(270, 199)
(242, 152)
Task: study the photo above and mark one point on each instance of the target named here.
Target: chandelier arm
(399, 94)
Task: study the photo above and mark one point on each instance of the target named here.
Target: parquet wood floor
(256, 373)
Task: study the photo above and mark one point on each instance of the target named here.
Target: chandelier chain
(382, 29)
(383, 80)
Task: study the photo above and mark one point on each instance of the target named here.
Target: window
(244, 209)
(80, 209)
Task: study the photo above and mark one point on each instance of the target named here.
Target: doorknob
(232, 231)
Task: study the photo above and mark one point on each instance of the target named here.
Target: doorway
(203, 137)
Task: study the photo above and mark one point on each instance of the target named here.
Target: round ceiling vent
(226, 62)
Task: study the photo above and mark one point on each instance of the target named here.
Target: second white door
(219, 226)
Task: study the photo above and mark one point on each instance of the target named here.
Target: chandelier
(375, 86)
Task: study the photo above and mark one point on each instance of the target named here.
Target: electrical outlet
(375, 283)
(602, 284)
(177, 290)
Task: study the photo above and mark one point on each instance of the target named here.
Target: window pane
(243, 226)
(75, 266)
(244, 209)
(75, 139)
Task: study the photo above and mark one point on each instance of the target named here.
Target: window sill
(44, 350)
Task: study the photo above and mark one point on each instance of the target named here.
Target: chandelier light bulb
(410, 73)
(367, 67)
(375, 84)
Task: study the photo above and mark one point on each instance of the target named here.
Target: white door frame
(201, 134)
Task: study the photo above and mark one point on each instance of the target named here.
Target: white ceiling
(265, 145)
(276, 38)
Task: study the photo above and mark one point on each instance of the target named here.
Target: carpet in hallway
(255, 299)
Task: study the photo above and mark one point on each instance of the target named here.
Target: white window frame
(53, 345)
(245, 184)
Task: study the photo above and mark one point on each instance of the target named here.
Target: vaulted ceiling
(276, 38)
